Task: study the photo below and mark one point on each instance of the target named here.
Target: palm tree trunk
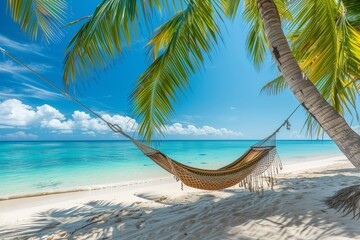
(330, 120)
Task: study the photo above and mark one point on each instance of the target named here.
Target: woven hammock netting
(254, 170)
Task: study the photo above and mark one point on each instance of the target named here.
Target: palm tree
(305, 91)
(321, 66)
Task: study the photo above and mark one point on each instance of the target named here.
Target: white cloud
(126, 123)
(84, 122)
(90, 133)
(17, 114)
(47, 112)
(19, 135)
(27, 91)
(26, 87)
(232, 108)
(9, 66)
(20, 72)
(65, 127)
(21, 47)
(40, 93)
(5, 127)
(178, 128)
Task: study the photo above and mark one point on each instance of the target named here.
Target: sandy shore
(159, 209)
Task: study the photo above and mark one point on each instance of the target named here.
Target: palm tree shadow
(240, 215)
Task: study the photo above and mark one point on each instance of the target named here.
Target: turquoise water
(36, 167)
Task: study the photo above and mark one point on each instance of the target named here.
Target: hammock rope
(259, 165)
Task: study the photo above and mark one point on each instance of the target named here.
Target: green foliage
(183, 40)
(101, 39)
(39, 17)
(324, 36)
(327, 48)
(353, 12)
(231, 8)
(276, 86)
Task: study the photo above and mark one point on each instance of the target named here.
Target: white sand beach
(159, 209)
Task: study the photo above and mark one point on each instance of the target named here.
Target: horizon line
(126, 140)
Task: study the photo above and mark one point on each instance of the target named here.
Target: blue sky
(224, 101)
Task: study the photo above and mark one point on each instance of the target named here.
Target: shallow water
(34, 167)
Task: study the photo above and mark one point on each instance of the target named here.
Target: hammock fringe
(255, 182)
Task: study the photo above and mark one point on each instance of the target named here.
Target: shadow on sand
(203, 215)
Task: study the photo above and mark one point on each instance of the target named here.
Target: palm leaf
(182, 41)
(276, 86)
(101, 39)
(353, 12)
(231, 7)
(39, 17)
(76, 21)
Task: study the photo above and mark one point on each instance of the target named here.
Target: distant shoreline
(31, 169)
(166, 140)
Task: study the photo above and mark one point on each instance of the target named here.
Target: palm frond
(311, 126)
(183, 42)
(256, 42)
(353, 13)
(101, 39)
(274, 87)
(327, 49)
(346, 201)
(231, 7)
(39, 17)
(76, 21)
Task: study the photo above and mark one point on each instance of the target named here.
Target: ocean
(30, 168)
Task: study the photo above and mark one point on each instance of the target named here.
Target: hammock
(257, 167)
